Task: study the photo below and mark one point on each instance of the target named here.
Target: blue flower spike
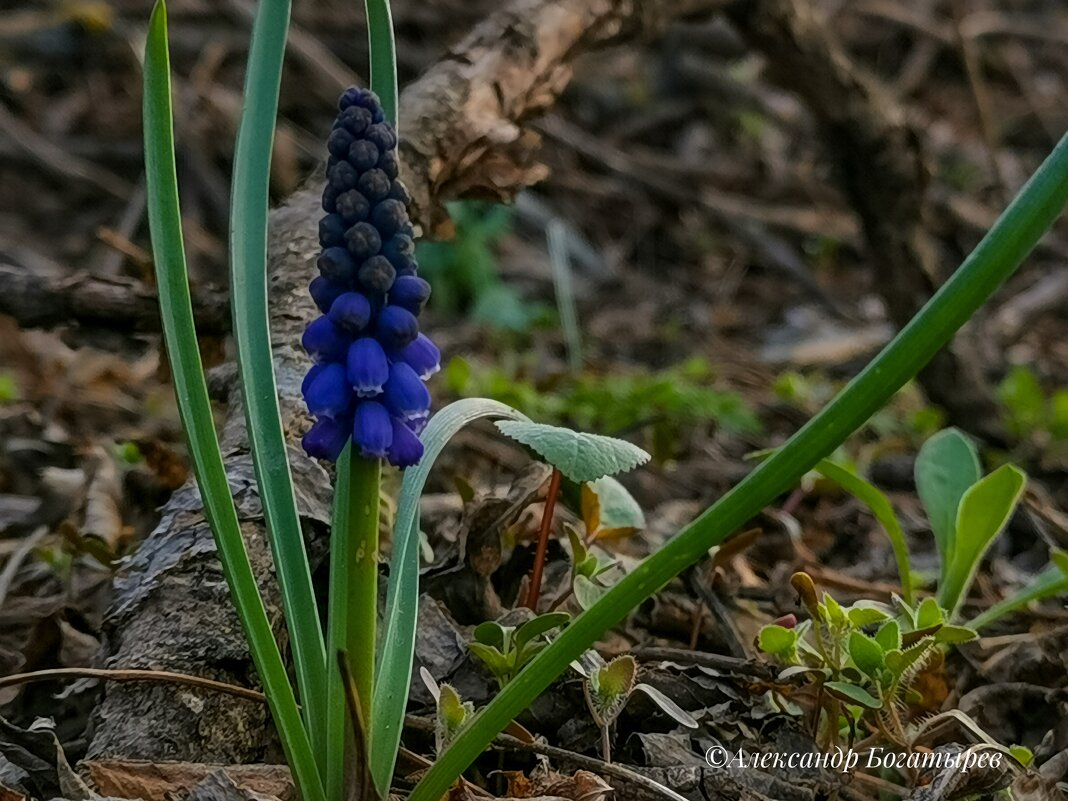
(371, 360)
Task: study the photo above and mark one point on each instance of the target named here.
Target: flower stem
(543, 541)
(353, 604)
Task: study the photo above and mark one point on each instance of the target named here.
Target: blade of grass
(252, 336)
(353, 606)
(176, 311)
(994, 259)
(383, 56)
(1048, 583)
(402, 597)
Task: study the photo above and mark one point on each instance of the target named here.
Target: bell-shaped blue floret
(409, 292)
(396, 328)
(406, 449)
(324, 292)
(372, 429)
(368, 367)
(406, 395)
(351, 311)
(329, 393)
(324, 341)
(327, 438)
(423, 356)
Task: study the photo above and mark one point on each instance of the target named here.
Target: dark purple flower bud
(388, 163)
(324, 291)
(329, 394)
(374, 185)
(389, 217)
(351, 311)
(363, 241)
(337, 265)
(406, 450)
(331, 230)
(331, 162)
(377, 274)
(397, 246)
(409, 292)
(363, 155)
(384, 137)
(324, 341)
(372, 430)
(422, 356)
(329, 199)
(397, 327)
(354, 119)
(357, 96)
(343, 176)
(406, 396)
(327, 438)
(398, 191)
(338, 142)
(353, 207)
(368, 367)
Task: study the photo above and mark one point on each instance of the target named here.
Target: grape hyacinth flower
(371, 361)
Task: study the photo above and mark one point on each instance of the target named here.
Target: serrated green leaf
(889, 636)
(955, 635)
(880, 506)
(984, 511)
(580, 457)
(777, 640)
(865, 613)
(928, 614)
(946, 466)
(866, 653)
(898, 661)
(851, 694)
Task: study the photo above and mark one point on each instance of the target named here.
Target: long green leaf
(946, 466)
(383, 56)
(402, 598)
(1050, 582)
(252, 336)
(984, 511)
(883, 511)
(176, 312)
(995, 258)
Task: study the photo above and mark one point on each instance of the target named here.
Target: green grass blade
(176, 311)
(252, 335)
(402, 598)
(1048, 583)
(994, 259)
(383, 56)
(353, 604)
(880, 506)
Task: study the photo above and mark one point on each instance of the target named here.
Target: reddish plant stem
(543, 541)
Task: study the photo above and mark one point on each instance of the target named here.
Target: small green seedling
(966, 512)
(609, 685)
(452, 712)
(506, 649)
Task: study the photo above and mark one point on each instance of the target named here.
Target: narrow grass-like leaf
(176, 312)
(383, 56)
(1049, 583)
(402, 599)
(880, 506)
(995, 258)
(252, 336)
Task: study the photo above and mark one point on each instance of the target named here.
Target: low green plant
(862, 660)
(505, 650)
(465, 272)
(1030, 411)
(966, 512)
